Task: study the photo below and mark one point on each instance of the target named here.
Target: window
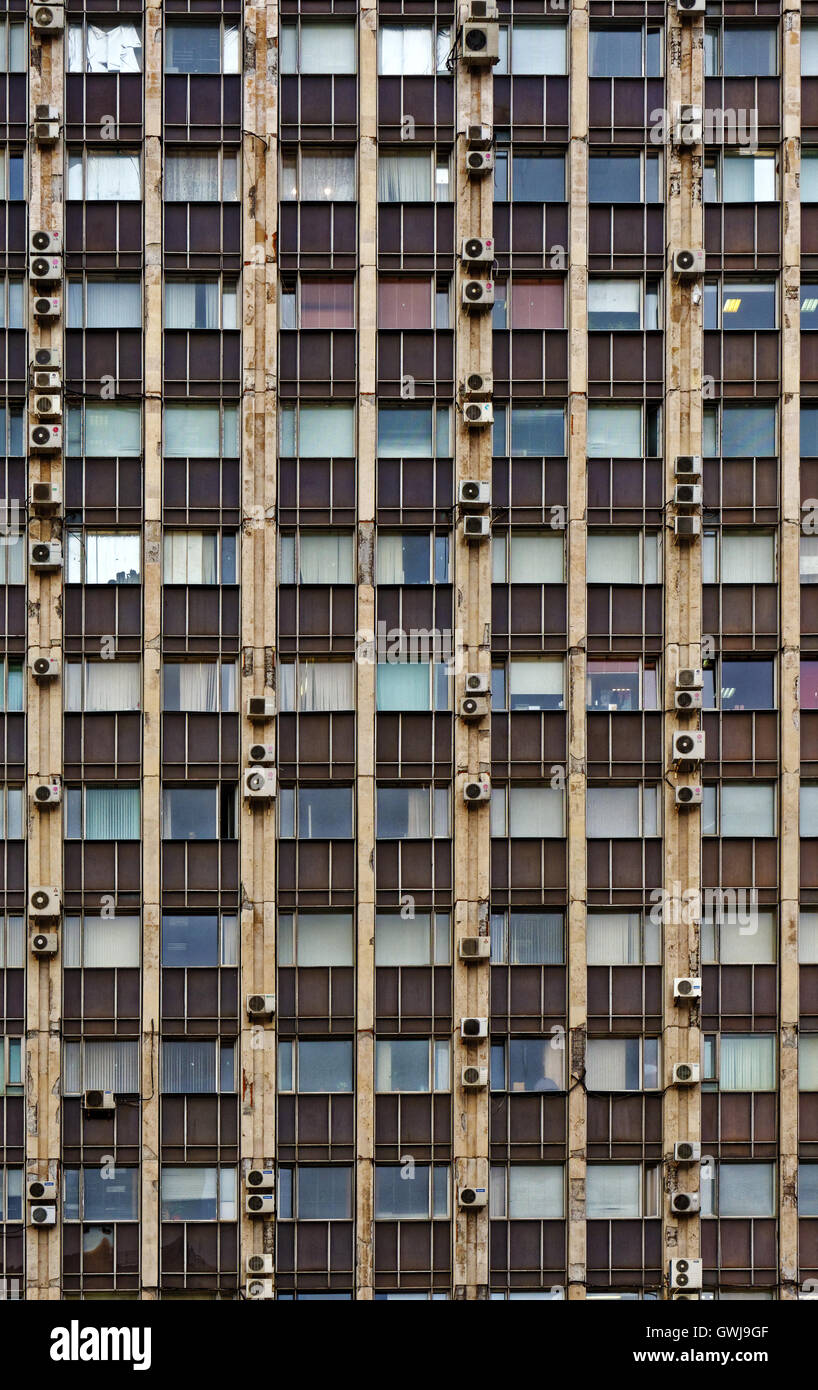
(201, 431)
(740, 52)
(11, 1196)
(528, 557)
(201, 48)
(622, 557)
(809, 50)
(200, 686)
(102, 813)
(11, 433)
(621, 685)
(315, 46)
(528, 178)
(104, 48)
(199, 813)
(318, 177)
(808, 1061)
(532, 50)
(529, 1064)
(100, 1066)
(208, 176)
(104, 177)
(412, 685)
(808, 1189)
(808, 938)
(622, 1064)
(198, 1194)
(740, 1189)
(808, 680)
(199, 557)
(12, 943)
(740, 1062)
(204, 1067)
(741, 178)
(318, 303)
(739, 810)
(317, 431)
(412, 50)
(419, 1194)
(625, 178)
(12, 177)
(619, 1191)
(528, 685)
(635, 52)
(315, 813)
(738, 934)
(315, 1066)
(809, 176)
(747, 431)
(97, 943)
(413, 176)
(618, 305)
(407, 304)
(412, 813)
(424, 939)
(414, 431)
(527, 1191)
(623, 938)
(529, 431)
(95, 428)
(102, 1193)
(192, 940)
(740, 685)
(315, 1193)
(99, 557)
(13, 561)
(11, 674)
(11, 302)
(194, 304)
(310, 686)
(741, 306)
(412, 1064)
(622, 812)
(317, 557)
(744, 557)
(615, 431)
(411, 557)
(11, 812)
(531, 813)
(104, 304)
(809, 809)
(13, 46)
(533, 304)
(527, 937)
(11, 1065)
(315, 938)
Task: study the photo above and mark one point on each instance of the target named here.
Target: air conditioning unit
(259, 1264)
(45, 555)
(687, 125)
(475, 528)
(687, 1151)
(260, 1204)
(476, 683)
(684, 1203)
(478, 295)
(474, 1078)
(44, 943)
(259, 784)
(690, 678)
(688, 796)
(48, 794)
(264, 753)
(46, 125)
(44, 904)
(469, 1198)
(99, 1102)
(480, 44)
(687, 528)
(261, 707)
(41, 1190)
(47, 270)
(46, 381)
(687, 987)
(473, 707)
(45, 439)
(685, 1274)
(688, 699)
(48, 359)
(478, 384)
(477, 791)
(688, 747)
(483, 9)
(473, 1029)
(690, 7)
(473, 949)
(42, 1216)
(477, 413)
(687, 263)
(47, 19)
(44, 243)
(685, 1074)
(688, 466)
(48, 407)
(44, 668)
(45, 308)
(473, 496)
(479, 162)
(261, 1005)
(479, 137)
(258, 1289)
(45, 498)
(262, 1179)
(687, 495)
(475, 250)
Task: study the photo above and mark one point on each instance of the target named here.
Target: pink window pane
(327, 304)
(809, 685)
(404, 304)
(537, 304)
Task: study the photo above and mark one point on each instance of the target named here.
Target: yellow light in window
(731, 306)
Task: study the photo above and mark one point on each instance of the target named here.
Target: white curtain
(407, 50)
(110, 430)
(606, 1064)
(535, 938)
(808, 1062)
(612, 813)
(809, 178)
(390, 560)
(404, 178)
(614, 1190)
(193, 431)
(612, 298)
(108, 304)
(613, 559)
(112, 813)
(325, 938)
(536, 559)
(191, 178)
(326, 431)
(13, 559)
(614, 938)
(104, 1066)
(535, 1191)
(189, 1068)
(747, 1063)
(99, 942)
(747, 809)
(325, 558)
(747, 559)
(108, 685)
(116, 48)
(194, 1185)
(402, 941)
(12, 943)
(327, 178)
(326, 47)
(541, 677)
(321, 686)
(198, 685)
(191, 558)
(538, 50)
(614, 431)
(111, 177)
(750, 178)
(808, 937)
(192, 304)
(750, 942)
(535, 813)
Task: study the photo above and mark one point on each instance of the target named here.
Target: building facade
(409, 696)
